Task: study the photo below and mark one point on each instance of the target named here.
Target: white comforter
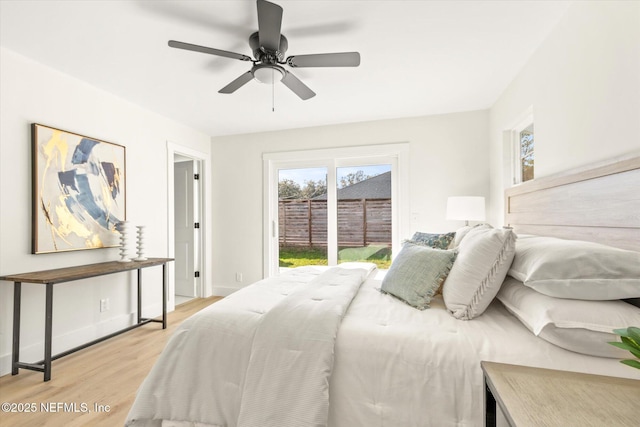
(261, 357)
(394, 366)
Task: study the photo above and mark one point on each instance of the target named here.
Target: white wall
(584, 85)
(448, 157)
(31, 93)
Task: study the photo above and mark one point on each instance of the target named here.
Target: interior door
(185, 263)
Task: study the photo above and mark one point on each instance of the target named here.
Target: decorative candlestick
(122, 228)
(140, 243)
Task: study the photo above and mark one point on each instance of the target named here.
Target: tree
(353, 178)
(526, 155)
(314, 188)
(289, 189)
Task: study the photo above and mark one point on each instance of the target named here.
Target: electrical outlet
(238, 277)
(104, 305)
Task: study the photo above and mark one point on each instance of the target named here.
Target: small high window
(526, 153)
(522, 143)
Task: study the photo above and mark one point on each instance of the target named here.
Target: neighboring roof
(377, 187)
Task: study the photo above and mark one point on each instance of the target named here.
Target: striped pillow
(485, 255)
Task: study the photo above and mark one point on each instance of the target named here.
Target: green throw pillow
(417, 273)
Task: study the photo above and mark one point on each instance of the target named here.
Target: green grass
(299, 256)
(291, 256)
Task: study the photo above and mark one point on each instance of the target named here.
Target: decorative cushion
(484, 257)
(438, 241)
(576, 325)
(416, 273)
(463, 231)
(576, 269)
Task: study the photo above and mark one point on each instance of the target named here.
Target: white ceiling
(418, 57)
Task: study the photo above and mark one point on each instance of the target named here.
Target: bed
(343, 346)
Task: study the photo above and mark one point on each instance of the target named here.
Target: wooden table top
(67, 274)
(546, 397)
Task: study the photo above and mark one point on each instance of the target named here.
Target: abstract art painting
(78, 191)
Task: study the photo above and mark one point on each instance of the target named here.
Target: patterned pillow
(417, 273)
(438, 241)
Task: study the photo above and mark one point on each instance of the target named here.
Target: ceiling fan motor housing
(267, 56)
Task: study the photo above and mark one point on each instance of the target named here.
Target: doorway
(186, 228)
(186, 225)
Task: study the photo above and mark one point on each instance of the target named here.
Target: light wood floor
(108, 373)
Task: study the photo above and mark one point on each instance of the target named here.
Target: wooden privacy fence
(361, 222)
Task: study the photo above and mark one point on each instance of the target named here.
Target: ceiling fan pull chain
(273, 91)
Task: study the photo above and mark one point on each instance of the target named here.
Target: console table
(61, 275)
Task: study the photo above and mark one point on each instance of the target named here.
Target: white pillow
(457, 238)
(577, 325)
(576, 269)
(484, 256)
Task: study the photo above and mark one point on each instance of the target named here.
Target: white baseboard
(35, 352)
(225, 291)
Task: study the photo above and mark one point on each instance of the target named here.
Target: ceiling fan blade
(237, 83)
(343, 59)
(299, 88)
(269, 23)
(209, 50)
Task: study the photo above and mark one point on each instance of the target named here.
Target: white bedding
(394, 365)
(260, 357)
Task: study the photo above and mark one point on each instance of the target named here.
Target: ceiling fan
(269, 47)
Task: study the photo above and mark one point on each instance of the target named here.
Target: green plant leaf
(635, 352)
(622, 332)
(634, 333)
(631, 332)
(621, 345)
(631, 343)
(632, 363)
(630, 338)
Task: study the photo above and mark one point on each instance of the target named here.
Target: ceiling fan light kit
(269, 74)
(269, 46)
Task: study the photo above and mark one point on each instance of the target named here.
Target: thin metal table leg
(139, 295)
(48, 330)
(164, 296)
(15, 352)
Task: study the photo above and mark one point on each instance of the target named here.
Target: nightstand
(545, 397)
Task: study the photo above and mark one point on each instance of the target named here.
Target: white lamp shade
(468, 208)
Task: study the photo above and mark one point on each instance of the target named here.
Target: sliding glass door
(302, 217)
(364, 220)
(324, 207)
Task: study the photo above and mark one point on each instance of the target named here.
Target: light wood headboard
(598, 203)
